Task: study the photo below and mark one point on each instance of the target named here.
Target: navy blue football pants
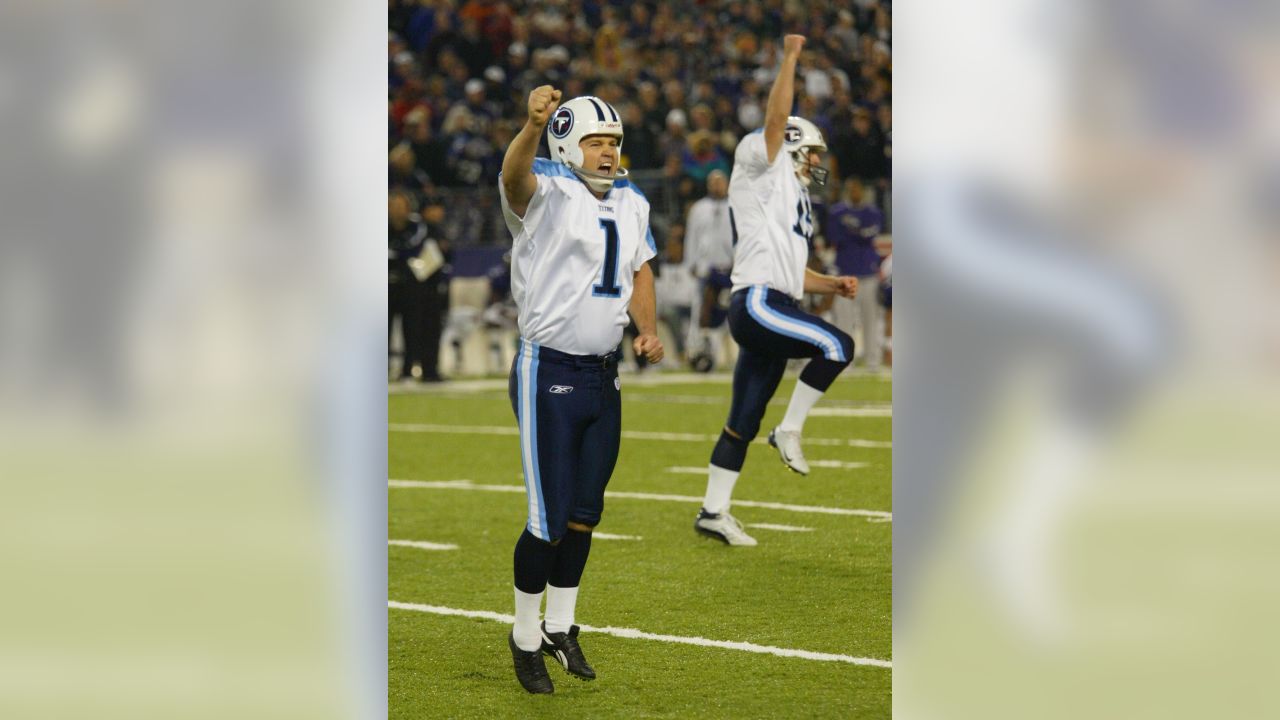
(770, 328)
(569, 410)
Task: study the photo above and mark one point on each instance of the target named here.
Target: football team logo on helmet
(562, 122)
(792, 134)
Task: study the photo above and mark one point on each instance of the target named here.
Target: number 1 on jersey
(608, 286)
(804, 219)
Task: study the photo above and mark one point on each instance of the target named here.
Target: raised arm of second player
(517, 165)
(644, 310)
(781, 96)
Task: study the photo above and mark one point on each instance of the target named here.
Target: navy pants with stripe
(770, 328)
(569, 410)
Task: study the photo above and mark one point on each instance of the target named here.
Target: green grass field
(827, 590)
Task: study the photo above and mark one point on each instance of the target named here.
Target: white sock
(560, 605)
(719, 489)
(802, 401)
(527, 630)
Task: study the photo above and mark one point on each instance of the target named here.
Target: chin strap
(597, 181)
(622, 174)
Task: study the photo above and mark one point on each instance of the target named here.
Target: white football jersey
(574, 258)
(772, 219)
(708, 237)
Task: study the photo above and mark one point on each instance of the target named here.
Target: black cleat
(531, 669)
(565, 649)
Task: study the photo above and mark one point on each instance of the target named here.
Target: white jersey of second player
(772, 219)
(574, 259)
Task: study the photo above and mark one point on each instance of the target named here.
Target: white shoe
(788, 444)
(723, 527)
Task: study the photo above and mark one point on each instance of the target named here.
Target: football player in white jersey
(578, 266)
(772, 222)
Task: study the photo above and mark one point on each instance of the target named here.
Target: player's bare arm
(644, 311)
(843, 285)
(781, 96)
(517, 166)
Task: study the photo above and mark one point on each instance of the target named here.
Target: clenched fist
(847, 286)
(649, 347)
(542, 102)
(791, 44)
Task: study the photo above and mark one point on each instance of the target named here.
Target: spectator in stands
(702, 156)
(430, 153)
(709, 255)
(676, 288)
(406, 241)
(859, 151)
(404, 174)
(472, 48)
(699, 66)
(851, 229)
(641, 146)
(434, 296)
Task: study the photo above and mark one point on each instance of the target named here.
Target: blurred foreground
(1088, 361)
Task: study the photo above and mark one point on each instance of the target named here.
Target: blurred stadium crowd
(690, 78)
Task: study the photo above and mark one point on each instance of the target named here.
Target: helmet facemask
(817, 173)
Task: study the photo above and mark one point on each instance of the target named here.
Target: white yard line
(648, 379)
(702, 469)
(423, 545)
(610, 536)
(879, 412)
(838, 464)
(829, 408)
(817, 509)
(780, 528)
(688, 470)
(633, 634)
(626, 434)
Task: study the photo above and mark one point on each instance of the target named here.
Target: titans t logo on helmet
(562, 122)
(792, 134)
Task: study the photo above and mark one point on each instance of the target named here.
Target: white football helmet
(799, 138)
(575, 120)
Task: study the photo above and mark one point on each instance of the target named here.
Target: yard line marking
(829, 408)
(610, 536)
(838, 464)
(649, 379)
(633, 634)
(852, 412)
(422, 545)
(626, 434)
(468, 485)
(783, 528)
(702, 470)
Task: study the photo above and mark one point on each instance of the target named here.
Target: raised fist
(542, 102)
(791, 44)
